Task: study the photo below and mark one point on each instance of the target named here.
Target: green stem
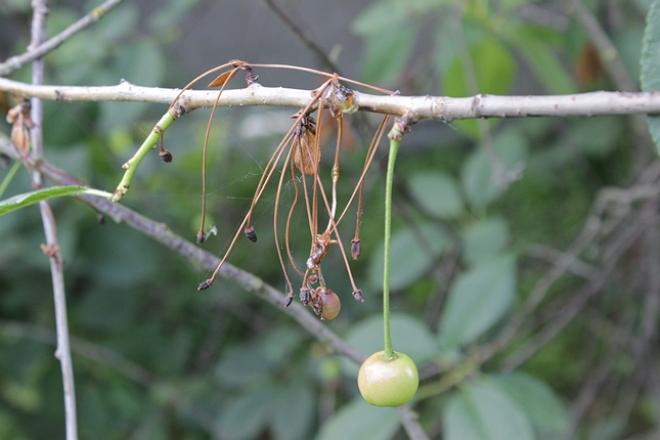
(387, 335)
(149, 143)
(9, 177)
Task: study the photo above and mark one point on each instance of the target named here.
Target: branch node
(401, 126)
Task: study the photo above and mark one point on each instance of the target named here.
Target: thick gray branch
(422, 107)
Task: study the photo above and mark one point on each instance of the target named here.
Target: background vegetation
(525, 285)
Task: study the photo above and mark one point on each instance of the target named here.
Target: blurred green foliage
(154, 360)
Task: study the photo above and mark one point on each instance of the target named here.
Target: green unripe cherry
(387, 381)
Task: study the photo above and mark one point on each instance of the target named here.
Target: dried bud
(205, 284)
(201, 237)
(165, 155)
(356, 248)
(250, 233)
(358, 295)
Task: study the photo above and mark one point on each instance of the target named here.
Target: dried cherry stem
(387, 243)
(205, 150)
(278, 191)
(292, 208)
(321, 73)
(357, 292)
(335, 167)
(371, 153)
(355, 243)
(255, 199)
(265, 178)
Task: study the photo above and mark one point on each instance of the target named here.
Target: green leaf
(410, 258)
(650, 63)
(484, 239)
(359, 420)
(409, 335)
(438, 193)
(242, 365)
(480, 184)
(382, 17)
(545, 65)
(387, 53)
(140, 63)
(494, 70)
(477, 300)
(22, 200)
(484, 411)
(246, 414)
(293, 420)
(545, 410)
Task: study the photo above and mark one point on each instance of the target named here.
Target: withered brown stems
(298, 159)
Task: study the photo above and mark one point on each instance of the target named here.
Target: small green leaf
(409, 335)
(27, 199)
(545, 410)
(480, 183)
(410, 258)
(438, 193)
(477, 300)
(650, 63)
(359, 420)
(482, 410)
(484, 239)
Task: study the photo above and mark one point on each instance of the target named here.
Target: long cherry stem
(389, 180)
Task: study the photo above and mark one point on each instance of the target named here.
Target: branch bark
(37, 51)
(443, 108)
(51, 248)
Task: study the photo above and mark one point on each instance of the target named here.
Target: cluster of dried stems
(298, 156)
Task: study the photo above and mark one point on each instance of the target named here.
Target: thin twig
(82, 348)
(205, 260)
(302, 36)
(52, 248)
(37, 51)
(421, 107)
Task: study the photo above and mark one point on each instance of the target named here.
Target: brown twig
(302, 36)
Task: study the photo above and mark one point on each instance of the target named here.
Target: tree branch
(37, 51)
(52, 248)
(422, 107)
